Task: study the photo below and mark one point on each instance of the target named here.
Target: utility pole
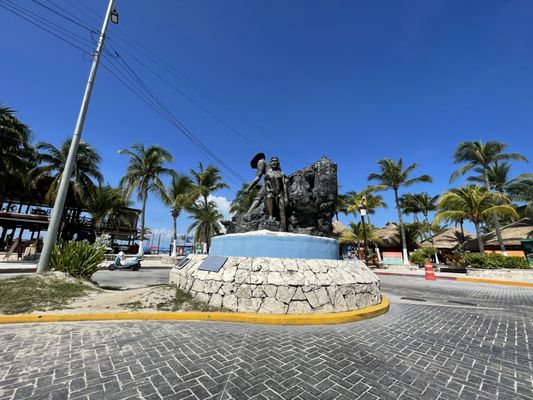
(362, 211)
(57, 212)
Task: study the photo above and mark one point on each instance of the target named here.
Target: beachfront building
(512, 235)
(447, 242)
(24, 216)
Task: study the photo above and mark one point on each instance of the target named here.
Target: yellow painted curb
(494, 281)
(269, 319)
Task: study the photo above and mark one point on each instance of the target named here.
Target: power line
(62, 15)
(158, 106)
(156, 59)
(153, 102)
(27, 19)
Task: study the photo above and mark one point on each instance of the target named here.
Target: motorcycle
(131, 264)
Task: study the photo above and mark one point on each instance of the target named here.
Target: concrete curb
(267, 319)
(463, 279)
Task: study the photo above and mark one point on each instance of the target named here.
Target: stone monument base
(280, 285)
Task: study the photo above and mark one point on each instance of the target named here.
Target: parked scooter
(122, 263)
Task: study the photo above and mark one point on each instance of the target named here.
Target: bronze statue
(276, 192)
(259, 163)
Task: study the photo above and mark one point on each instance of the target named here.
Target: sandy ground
(100, 300)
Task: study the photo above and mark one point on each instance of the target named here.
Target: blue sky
(354, 80)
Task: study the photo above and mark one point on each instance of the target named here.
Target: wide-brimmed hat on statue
(255, 160)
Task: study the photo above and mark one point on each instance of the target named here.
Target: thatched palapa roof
(448, 240)
(512, 234)
(388, 236)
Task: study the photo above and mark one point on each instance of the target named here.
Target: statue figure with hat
(259, 163)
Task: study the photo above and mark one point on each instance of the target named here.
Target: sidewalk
(27, 267)
(454, 277)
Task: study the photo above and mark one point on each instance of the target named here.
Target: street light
(59, 204)
(362, 211)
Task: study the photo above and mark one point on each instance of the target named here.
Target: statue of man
(259, 163)
(276, 192)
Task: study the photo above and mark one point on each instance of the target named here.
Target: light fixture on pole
(362, 211)
(59, 204)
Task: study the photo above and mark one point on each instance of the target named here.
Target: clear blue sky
(354, 80)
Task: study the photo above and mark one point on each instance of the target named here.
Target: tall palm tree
(497, 172)
(206, 221)
(177, 197)
(143, 175)
(370, 201)
(356, 234)
(86, 169)
(206, 181)
(474, 203)
(342, 204)
(243, 199)
(481, 156)
(521, 189)
(394, 176)
(409, 205)
(16, 149)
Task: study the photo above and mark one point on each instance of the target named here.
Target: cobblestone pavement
(448, 340)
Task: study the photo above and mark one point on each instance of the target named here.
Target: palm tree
(482, 156)
(393, 176)
(409, 205)
(143, 175)
(86, 168)
(342, 204)
(425, 204)
(106, 203)
(521, 189)
(243, 199)
(177, 197)
(206, 221)
(413, 232)
(498, 175)
(206, 181)
(15, 148)
(474, 203)
(356, 235)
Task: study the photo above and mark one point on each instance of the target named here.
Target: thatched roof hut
(448, 240)
(512, 234)
(388, 236)
(338, 228)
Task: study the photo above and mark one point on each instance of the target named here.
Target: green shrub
(421, 256)
(78, 259)
(495, 261)
(474, 260)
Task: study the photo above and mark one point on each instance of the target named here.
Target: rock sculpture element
(312, 201)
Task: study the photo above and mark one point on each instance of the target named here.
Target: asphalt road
(440, 340)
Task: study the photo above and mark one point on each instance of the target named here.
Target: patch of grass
(34, 293)
(183, 301)
(134, 305)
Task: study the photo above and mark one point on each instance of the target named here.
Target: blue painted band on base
(297, 246)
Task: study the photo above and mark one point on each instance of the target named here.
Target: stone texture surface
(281, 286)
(511, 274)
(312, 201)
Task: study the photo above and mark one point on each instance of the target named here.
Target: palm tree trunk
(430, 232)
(402, 229)
(174, 236)
(462, 231)
(143, 212)
(495, 218)
(479, 238)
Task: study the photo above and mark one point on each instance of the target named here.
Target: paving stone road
(450, 340)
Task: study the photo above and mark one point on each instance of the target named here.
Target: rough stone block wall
(281, 286)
